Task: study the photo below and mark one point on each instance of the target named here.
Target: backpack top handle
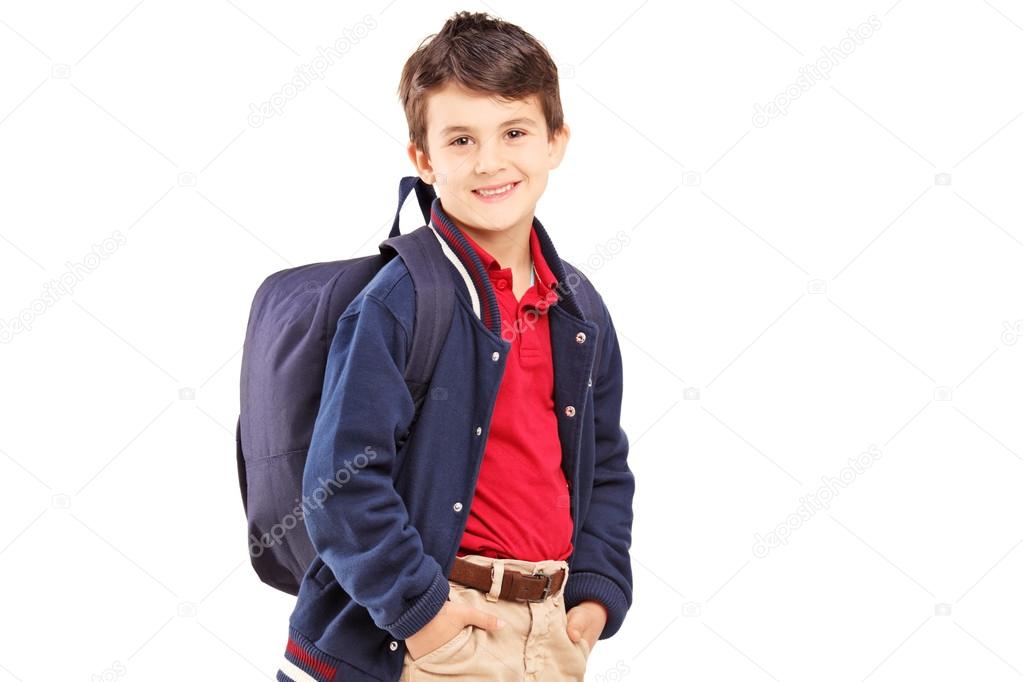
(424, 194)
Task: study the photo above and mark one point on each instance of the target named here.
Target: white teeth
(499, 190)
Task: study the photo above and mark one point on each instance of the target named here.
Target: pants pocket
(582, 646)
(448, 648)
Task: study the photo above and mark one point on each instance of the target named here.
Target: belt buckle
(546, 588)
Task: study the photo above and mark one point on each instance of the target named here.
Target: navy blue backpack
(291, 325)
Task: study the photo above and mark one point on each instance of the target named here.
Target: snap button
(393, 645)
(478, 430)
(495, 356)
(457, 507)
(570, 411)
(580, 337)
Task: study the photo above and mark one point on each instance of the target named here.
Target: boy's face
(477, 142)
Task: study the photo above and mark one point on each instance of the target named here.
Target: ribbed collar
(461, 247)
(545, 281)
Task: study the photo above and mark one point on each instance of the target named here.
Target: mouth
(496, 193)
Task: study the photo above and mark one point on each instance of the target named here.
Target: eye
(521, 133)
(455, 141)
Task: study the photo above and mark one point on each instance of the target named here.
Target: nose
(489, 159)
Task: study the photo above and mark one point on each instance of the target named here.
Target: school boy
(493, 543)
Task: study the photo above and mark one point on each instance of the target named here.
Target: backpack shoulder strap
(434, 305)
(426, 263)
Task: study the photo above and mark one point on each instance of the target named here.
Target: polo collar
(545, 280)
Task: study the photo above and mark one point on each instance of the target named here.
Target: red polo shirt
(521, 507)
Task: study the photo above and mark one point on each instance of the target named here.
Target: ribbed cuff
(584, 586)
(425, 608)
(307, 658)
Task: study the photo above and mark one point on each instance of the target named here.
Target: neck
(509, 247)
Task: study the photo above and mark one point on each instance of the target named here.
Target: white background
(790, 295)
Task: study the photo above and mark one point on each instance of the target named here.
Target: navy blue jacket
(389, 513)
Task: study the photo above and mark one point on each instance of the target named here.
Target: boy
(446, 552)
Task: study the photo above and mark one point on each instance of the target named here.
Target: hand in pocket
(446, 625)
(586, 621)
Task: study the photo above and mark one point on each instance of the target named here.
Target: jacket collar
(459, 249)
(545, 281)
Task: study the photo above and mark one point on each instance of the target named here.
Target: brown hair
(483, 54)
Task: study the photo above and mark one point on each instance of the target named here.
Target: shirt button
(570, 411)
(457, 507)
(495, 356)
(501, 284)
(580, 337)
(394, 645)
(478, 430)
(589, 382)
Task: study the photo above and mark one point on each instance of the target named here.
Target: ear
(421, 162)
(556, 145)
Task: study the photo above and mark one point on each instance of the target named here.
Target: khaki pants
(533, 645)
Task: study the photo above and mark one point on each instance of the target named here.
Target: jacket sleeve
(601, 569)
(356, 520)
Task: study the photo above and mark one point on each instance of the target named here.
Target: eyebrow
(515, 121)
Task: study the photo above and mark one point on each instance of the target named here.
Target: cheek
(450, 165)
(537, 171)
(534, 160)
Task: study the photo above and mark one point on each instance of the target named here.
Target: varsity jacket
(392, 497)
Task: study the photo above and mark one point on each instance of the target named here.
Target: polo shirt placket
(521, 508)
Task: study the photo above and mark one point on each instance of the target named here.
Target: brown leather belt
(516, 585)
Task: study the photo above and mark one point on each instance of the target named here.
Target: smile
(493, 194)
